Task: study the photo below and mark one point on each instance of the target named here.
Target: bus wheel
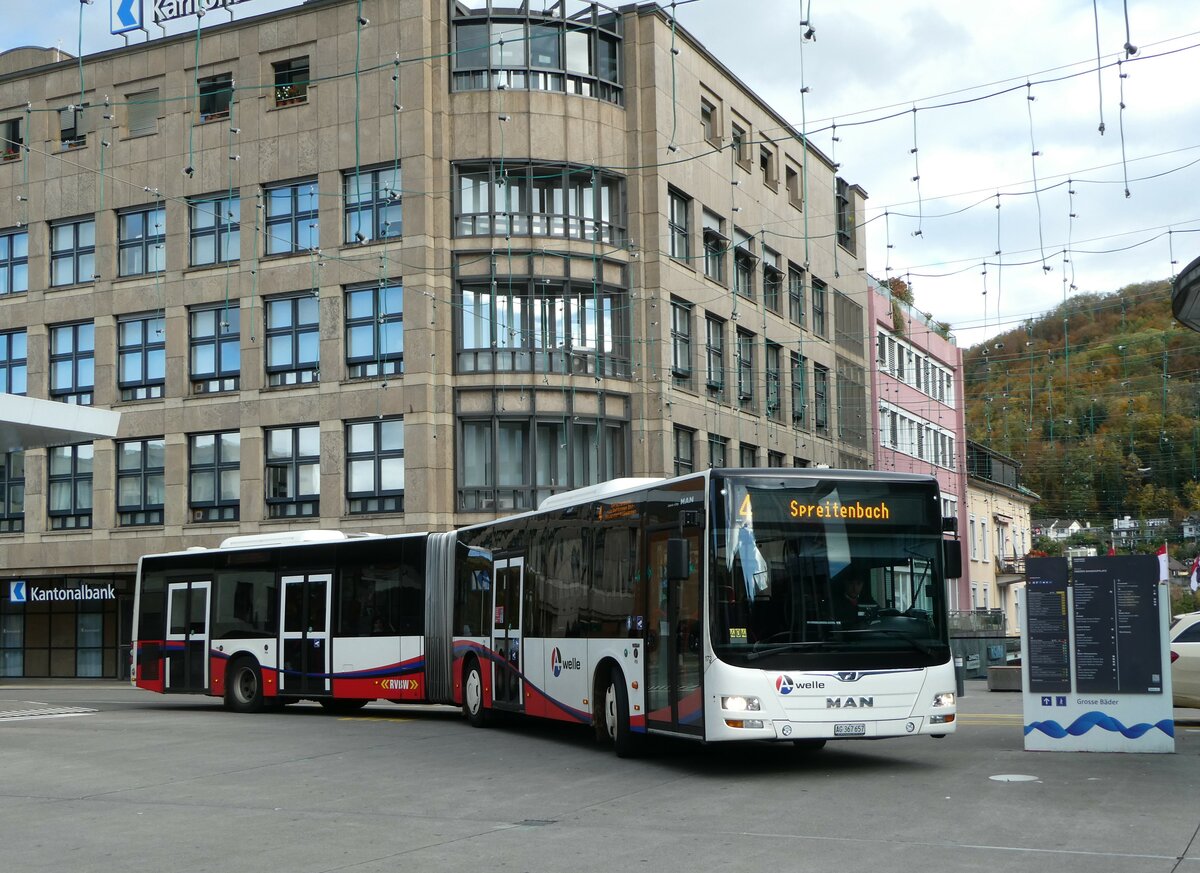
(616, 716)
(243, 686)
(473, 708)
(342, 705)
(810, 745)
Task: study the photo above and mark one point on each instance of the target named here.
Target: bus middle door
(674, 641)
(187, 636)
(305, 604)
(508, 577)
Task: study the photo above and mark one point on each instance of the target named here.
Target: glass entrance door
(304, 637)
(674, 641)
(507, 667)
(187, 636)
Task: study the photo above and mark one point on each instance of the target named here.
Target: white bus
(775, 604)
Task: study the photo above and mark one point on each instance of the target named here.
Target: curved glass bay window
(516, 198)
(571, 47)
(542, 326)
(508, 462)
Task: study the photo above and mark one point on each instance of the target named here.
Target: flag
(1196, 572)
(1162, 563)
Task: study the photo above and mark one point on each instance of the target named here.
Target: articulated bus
(735, 604)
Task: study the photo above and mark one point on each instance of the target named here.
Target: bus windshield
(828, 573)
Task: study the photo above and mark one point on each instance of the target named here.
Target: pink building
(919, 423)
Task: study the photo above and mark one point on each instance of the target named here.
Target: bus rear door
(187, 636)
(507, 668)
(305, 605)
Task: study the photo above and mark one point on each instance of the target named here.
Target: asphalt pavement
(103, 777)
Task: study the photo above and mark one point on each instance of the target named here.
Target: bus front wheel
(615, 712)
(243, 686)
(472, 706)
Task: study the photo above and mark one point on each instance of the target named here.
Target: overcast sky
(876, 58)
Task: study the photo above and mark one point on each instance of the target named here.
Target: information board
(1047, 626)
(1117, 641)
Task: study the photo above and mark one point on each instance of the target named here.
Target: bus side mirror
(677, 558)
(952, 558)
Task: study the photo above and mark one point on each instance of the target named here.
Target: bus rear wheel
(243, 686)
(473, 709)
(615, 713)
(342, 705)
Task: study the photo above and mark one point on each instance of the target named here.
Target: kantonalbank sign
(20, 591)
(168, 10)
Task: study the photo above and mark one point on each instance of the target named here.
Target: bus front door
(187, 636)
(674, 643)
(304, 643)
(508, 578)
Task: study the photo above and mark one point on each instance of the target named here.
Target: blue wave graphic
(1089, 720)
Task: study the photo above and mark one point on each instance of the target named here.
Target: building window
(214, 476)
(374, 204)
(73, 251)
(291, 81)
(545, 326)
(12, 492)
(794, 192)
(14, 262)
(747, 455)
(775, 459)
(293, 471)
(511, 198)
(772, 280)
(708, 122)
(375, 466)
(845, 217)
(140, 237)
(715, 246)
(216, 95)
(140, 465)
(796, 295)
(293, 340)
(292, 217)
(72, 126)
(70, 481)
(574, 49)
(821, 397)
(73, 363)
(744, 262)
(848, 330)
(215, 361)
(818, 307)
(774, 376)
(216, 230)
(10, 140)
(740, 144)
(514, 462)
(766, 163)
(684, 461)
(681, 339)
(141, 112)
(677, 225)
(142, 356)
(375, 331)
(14, 363)
(974, 542)
(799, 390)
(745, 367)
(718, 450)
(714, 353)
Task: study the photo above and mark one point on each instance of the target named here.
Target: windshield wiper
(784, 647)
(891, 632)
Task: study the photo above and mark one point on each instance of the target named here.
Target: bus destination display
(1117, 643)
(1049, 638)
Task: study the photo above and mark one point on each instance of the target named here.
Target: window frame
(773, 369)
(12, 264)
(146, 511)
(745, 367)
(225, 230)
(296, 371)
(14, 362)
(295, 218)
(288, 89)
(76, 253)
(681, 339)
(818, 291)
(716, 244)
(12, 481)
(226, 329)
(378, 499)
(820, 398)
(798, 365)
(11, 142)
(384, 326)
(78, 514)
(714, 354)
(377, 206)
(205, 91)
(220, 508)
(306, 504)
(76, 392)
(678, 225)
(142, 106)
(143, 244)
(685, 450)
(150, 355)
(718, 450)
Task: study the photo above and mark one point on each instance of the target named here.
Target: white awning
(28, 423)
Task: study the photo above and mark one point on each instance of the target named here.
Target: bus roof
(597, 492)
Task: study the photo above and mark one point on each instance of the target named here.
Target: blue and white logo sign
(126, 15)
(16, 591)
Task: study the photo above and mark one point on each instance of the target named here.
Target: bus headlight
(741, 704)
(946, 698)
